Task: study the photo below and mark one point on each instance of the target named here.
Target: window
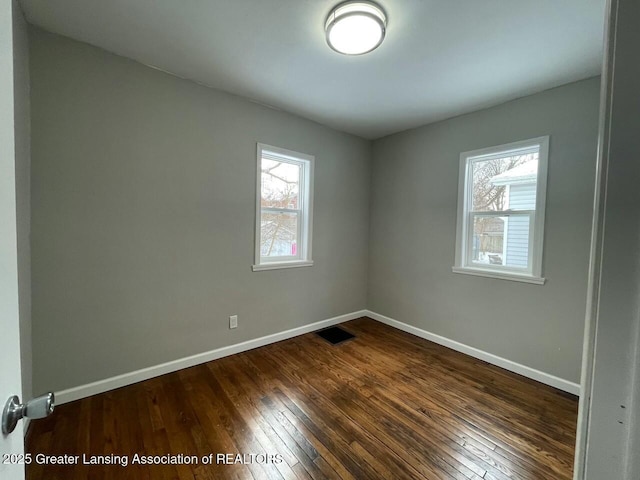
(283, 209)
(501, 199)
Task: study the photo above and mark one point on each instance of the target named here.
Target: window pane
(488, 240)
(506, 183)
(501, 241)
(280, 184)
(279, 235)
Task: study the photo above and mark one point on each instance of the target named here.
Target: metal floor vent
(335, 335)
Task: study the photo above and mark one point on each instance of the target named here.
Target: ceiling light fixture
(354, 28)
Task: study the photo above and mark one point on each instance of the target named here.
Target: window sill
(279, 265)
(516, 277)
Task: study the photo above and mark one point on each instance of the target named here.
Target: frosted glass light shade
(354, 28)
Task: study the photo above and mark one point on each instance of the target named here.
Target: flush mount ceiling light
(354, 28)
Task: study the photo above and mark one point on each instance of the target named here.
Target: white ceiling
(440, 58)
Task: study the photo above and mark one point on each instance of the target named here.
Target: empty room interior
(293, 239)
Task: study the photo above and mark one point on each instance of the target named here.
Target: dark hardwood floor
(383, 405)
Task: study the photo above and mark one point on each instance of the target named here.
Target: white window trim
(305, 227)
(536, 241)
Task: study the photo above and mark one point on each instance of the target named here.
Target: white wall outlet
(233, 321)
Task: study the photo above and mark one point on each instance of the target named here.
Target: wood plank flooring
(385, 405)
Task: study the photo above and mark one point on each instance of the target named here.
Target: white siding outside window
(521, 197)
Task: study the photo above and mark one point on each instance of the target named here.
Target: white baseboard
(542, 377)
(112, 383)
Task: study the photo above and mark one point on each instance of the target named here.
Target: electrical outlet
(233, 321)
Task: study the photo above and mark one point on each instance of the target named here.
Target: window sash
(471, 216)
(291, 161)
(299, 233)
(299, 212)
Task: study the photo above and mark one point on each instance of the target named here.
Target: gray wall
(23, 200)
(413, 226)
(614, 426)
(143, 204)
